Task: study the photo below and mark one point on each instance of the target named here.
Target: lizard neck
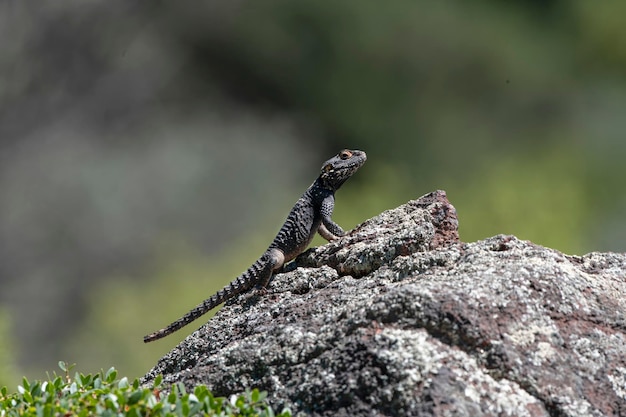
(320, 184)
(319, 190)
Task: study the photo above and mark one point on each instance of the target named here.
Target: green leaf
(28, 397)
(123, 383)
(110, 375)
(254, 395)
(85, 380)
(135, 397)
(171, 398)
(35, 388)
(155, 407)
(25, 384)
(57, 383)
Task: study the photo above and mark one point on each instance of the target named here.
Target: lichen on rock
(400, 318)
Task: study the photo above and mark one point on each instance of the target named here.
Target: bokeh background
(149, 150)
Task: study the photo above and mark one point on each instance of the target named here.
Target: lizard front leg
(326, 234)
(329, 230)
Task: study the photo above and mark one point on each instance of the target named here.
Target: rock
(400, 318)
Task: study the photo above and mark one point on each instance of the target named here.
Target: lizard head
(340, 167)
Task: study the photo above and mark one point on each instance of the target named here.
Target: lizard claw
(260, 291)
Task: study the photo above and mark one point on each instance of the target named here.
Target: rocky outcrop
(400, 318)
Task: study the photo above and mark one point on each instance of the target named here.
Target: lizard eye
(345, 154)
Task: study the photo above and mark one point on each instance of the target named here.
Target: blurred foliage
(8, 372)
(441, 92)
(128, 127)
(509, 190)
(405, 80)
(600, 35)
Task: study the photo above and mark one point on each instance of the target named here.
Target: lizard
(311, 214)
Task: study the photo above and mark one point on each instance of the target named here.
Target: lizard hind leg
(274, 260)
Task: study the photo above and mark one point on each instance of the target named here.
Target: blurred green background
(150, 150)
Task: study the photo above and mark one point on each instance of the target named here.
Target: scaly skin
(311, 214)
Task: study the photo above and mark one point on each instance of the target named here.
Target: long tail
(242, 283)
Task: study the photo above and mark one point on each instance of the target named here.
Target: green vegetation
(105, 395)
